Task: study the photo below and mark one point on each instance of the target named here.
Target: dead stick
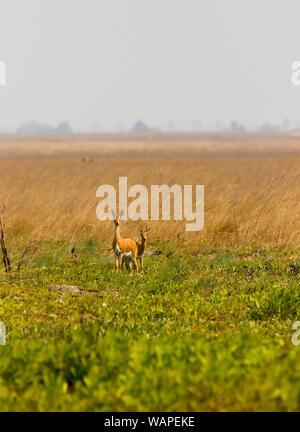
(6, 260)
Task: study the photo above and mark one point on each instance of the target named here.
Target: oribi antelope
(123, 246)
(141, 246)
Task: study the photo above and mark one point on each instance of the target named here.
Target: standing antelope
(123, 246)
(141, 246)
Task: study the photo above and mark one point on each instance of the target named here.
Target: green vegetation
(206, 331)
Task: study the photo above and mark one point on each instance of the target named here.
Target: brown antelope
(123, 246)
(141, 246)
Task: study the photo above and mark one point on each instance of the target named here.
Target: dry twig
(6, 260)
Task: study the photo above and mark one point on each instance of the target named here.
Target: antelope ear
(114, 214)
(122, 212)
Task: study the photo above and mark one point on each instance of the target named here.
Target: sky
(103, 64)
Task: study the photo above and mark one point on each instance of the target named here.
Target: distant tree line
(140, 127)
(34, 127)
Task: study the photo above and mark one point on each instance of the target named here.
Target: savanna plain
(206, 327)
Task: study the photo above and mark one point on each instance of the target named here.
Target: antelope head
(144, 233)
(117, 217)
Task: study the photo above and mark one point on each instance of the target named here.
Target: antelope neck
(117, 234)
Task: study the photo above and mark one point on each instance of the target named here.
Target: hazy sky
(111, 62)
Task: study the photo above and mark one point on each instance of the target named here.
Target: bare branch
(6, 260)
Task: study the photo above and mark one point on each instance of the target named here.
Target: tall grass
(252, 186)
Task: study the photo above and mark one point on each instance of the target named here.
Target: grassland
(207, 327)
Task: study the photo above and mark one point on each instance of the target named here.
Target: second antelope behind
(141, 245)
(123, 246)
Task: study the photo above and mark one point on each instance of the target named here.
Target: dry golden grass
(252, 185)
